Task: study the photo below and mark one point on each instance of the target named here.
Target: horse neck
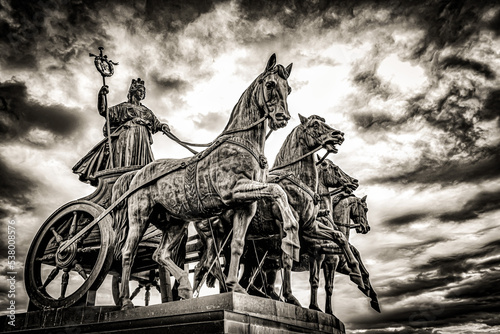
(342, 215)
(294, 147)
(326, 200)
(246, 112)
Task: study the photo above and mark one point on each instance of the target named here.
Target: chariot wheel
(57, 277)
(145, 280)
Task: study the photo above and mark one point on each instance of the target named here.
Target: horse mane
(245, 99)
(292, 143)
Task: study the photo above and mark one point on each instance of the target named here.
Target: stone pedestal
(224, 313)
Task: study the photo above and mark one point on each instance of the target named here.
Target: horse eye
(323, 164)
(270, 84)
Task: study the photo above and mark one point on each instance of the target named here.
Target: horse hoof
(127, 305)
(315, 308)
(357, 279)
(292, 300)
(236, 287)
(185, 293)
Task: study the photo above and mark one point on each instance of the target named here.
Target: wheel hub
(65, 258)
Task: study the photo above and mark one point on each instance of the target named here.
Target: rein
(265, 108)
(297, 159)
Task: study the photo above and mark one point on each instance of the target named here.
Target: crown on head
(136, 84)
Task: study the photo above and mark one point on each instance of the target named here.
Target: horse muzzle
(278, 119)
(333, 139)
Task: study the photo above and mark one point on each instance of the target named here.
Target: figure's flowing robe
(131, 128)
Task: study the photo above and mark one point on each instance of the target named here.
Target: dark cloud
(468, 64)
(494, 24)
(491, 107)
(19, 115)
(428, 170)
(14, 189)
(417, 285)
(468, 282)
(170, 84)
(373, 121)
(483, 202)
(403, 220)
(61, 29)
(171, 15)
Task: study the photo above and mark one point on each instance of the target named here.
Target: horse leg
(138, 221)
(241, 219)
(252, 191)
(315, 262)
(162, 256)
(287, 281)
(355, 274)
(329, 267)
(270, 283)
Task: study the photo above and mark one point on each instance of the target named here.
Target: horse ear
(271, 62)
(303, 119)
(317, 156)
(364, 198)
(289, 69)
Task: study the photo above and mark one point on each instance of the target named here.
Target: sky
(413, 85)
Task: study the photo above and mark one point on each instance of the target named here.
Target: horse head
(318, 133)
(358, 215)
(274, 89)
(332, 176)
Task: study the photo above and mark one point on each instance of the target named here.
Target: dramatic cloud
(414, 86)
(22, 119)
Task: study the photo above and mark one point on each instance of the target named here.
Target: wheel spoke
(81, 271)
(136, 292)
(64, 283)
(50, 278)
(147, 295)
(72, 229)
(88, 249)
(46, 257)
(58, 237)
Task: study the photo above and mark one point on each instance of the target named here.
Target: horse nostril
(282, 115)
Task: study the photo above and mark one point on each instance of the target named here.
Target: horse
(346, 207)
(296, 172)
(228, 175)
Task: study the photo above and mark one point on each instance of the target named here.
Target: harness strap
(297, 159)
(296, 181)
(243, 143)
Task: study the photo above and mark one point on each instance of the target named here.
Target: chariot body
(56, 278)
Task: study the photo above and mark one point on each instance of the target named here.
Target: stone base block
(223, 313)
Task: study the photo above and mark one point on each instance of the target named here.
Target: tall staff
(105, 66)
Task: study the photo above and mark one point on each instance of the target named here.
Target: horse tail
(120, 213)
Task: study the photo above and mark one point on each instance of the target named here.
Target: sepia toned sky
(413, 84)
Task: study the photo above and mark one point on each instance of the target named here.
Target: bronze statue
(131, 126)
(340, 208)
(230, 174)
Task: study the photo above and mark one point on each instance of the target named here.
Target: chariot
(58, 278)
